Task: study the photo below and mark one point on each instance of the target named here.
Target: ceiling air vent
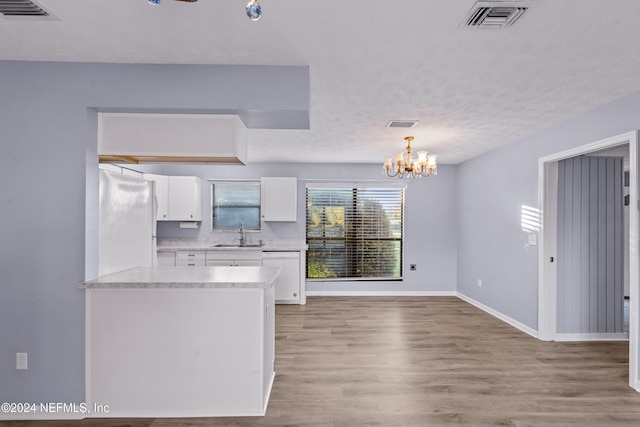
(404, 124)
(21, 8)
(494, 14)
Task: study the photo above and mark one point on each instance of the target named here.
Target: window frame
(354, 187)
(213, 206)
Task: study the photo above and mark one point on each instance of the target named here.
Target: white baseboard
(521, 326)
(381, 293)
(622, 336)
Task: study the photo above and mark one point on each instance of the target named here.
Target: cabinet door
(288, 281)
(248, 262)
(220, 263)
(162, 194)
(185, 198)
(166, 259)
(279, 199)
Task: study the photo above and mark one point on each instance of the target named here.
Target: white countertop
(167, 245)
(186, 277)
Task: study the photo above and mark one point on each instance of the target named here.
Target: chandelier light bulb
(254, 10)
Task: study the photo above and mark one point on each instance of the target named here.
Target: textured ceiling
(370, 62)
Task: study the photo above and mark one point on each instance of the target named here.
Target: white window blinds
(354, 232)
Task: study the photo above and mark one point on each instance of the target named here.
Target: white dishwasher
(288, 281)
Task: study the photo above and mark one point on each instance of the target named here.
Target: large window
(354, 232)
(235, 202)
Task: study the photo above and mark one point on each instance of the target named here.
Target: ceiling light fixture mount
(425, 165)
(254, 10)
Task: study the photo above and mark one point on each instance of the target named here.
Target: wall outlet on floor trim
(21, 361)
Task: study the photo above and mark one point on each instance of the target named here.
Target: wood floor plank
(426, 361)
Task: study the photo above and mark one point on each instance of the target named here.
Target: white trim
(615, 336)
(381, 293)
(634, 273)
(521, 326)
(621, 139)
(327, 183)
(546, 295)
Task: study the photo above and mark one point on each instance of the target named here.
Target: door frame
(548, 237)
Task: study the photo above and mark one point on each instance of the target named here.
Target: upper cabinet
(185, 198)
(138, 137)
(162, 194)
(279, 199)
(179, 197)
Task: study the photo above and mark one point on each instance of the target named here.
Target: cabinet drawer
(235, 255)
(190, 263)
(190, 256)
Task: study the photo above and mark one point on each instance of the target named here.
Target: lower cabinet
(190, 259)
(287, 283)
(166, 259)
(241, 258)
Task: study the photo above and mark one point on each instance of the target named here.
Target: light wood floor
(429, 361)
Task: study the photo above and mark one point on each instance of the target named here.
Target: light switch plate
(533, 239)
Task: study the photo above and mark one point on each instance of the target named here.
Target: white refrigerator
(127, 223)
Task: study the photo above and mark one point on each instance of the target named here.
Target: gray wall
(430, 237)
(491, 190)
(47, 149)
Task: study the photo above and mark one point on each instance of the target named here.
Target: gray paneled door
(590, 281)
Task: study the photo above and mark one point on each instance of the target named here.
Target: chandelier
(424, 165)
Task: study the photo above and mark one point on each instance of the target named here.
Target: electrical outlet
(412, 267)
(21, 361)
(479, 283)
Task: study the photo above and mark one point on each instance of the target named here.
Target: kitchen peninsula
(180, 341)
(287, 254)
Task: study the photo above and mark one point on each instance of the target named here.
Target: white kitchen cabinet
(166, 259)
(179, 197)
(190, 259)
(287, 284)
(162, 194)
(241, 258)
(185, 198)
(279, 199)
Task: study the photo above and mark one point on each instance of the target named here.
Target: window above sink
(235, 202)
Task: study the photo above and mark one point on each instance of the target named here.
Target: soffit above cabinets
(175, 138)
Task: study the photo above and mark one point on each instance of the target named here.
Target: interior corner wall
(492, 191)
(46, 121)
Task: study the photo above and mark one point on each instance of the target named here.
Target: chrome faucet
(242, 237)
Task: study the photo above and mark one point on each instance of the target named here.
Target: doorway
(547, 257)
